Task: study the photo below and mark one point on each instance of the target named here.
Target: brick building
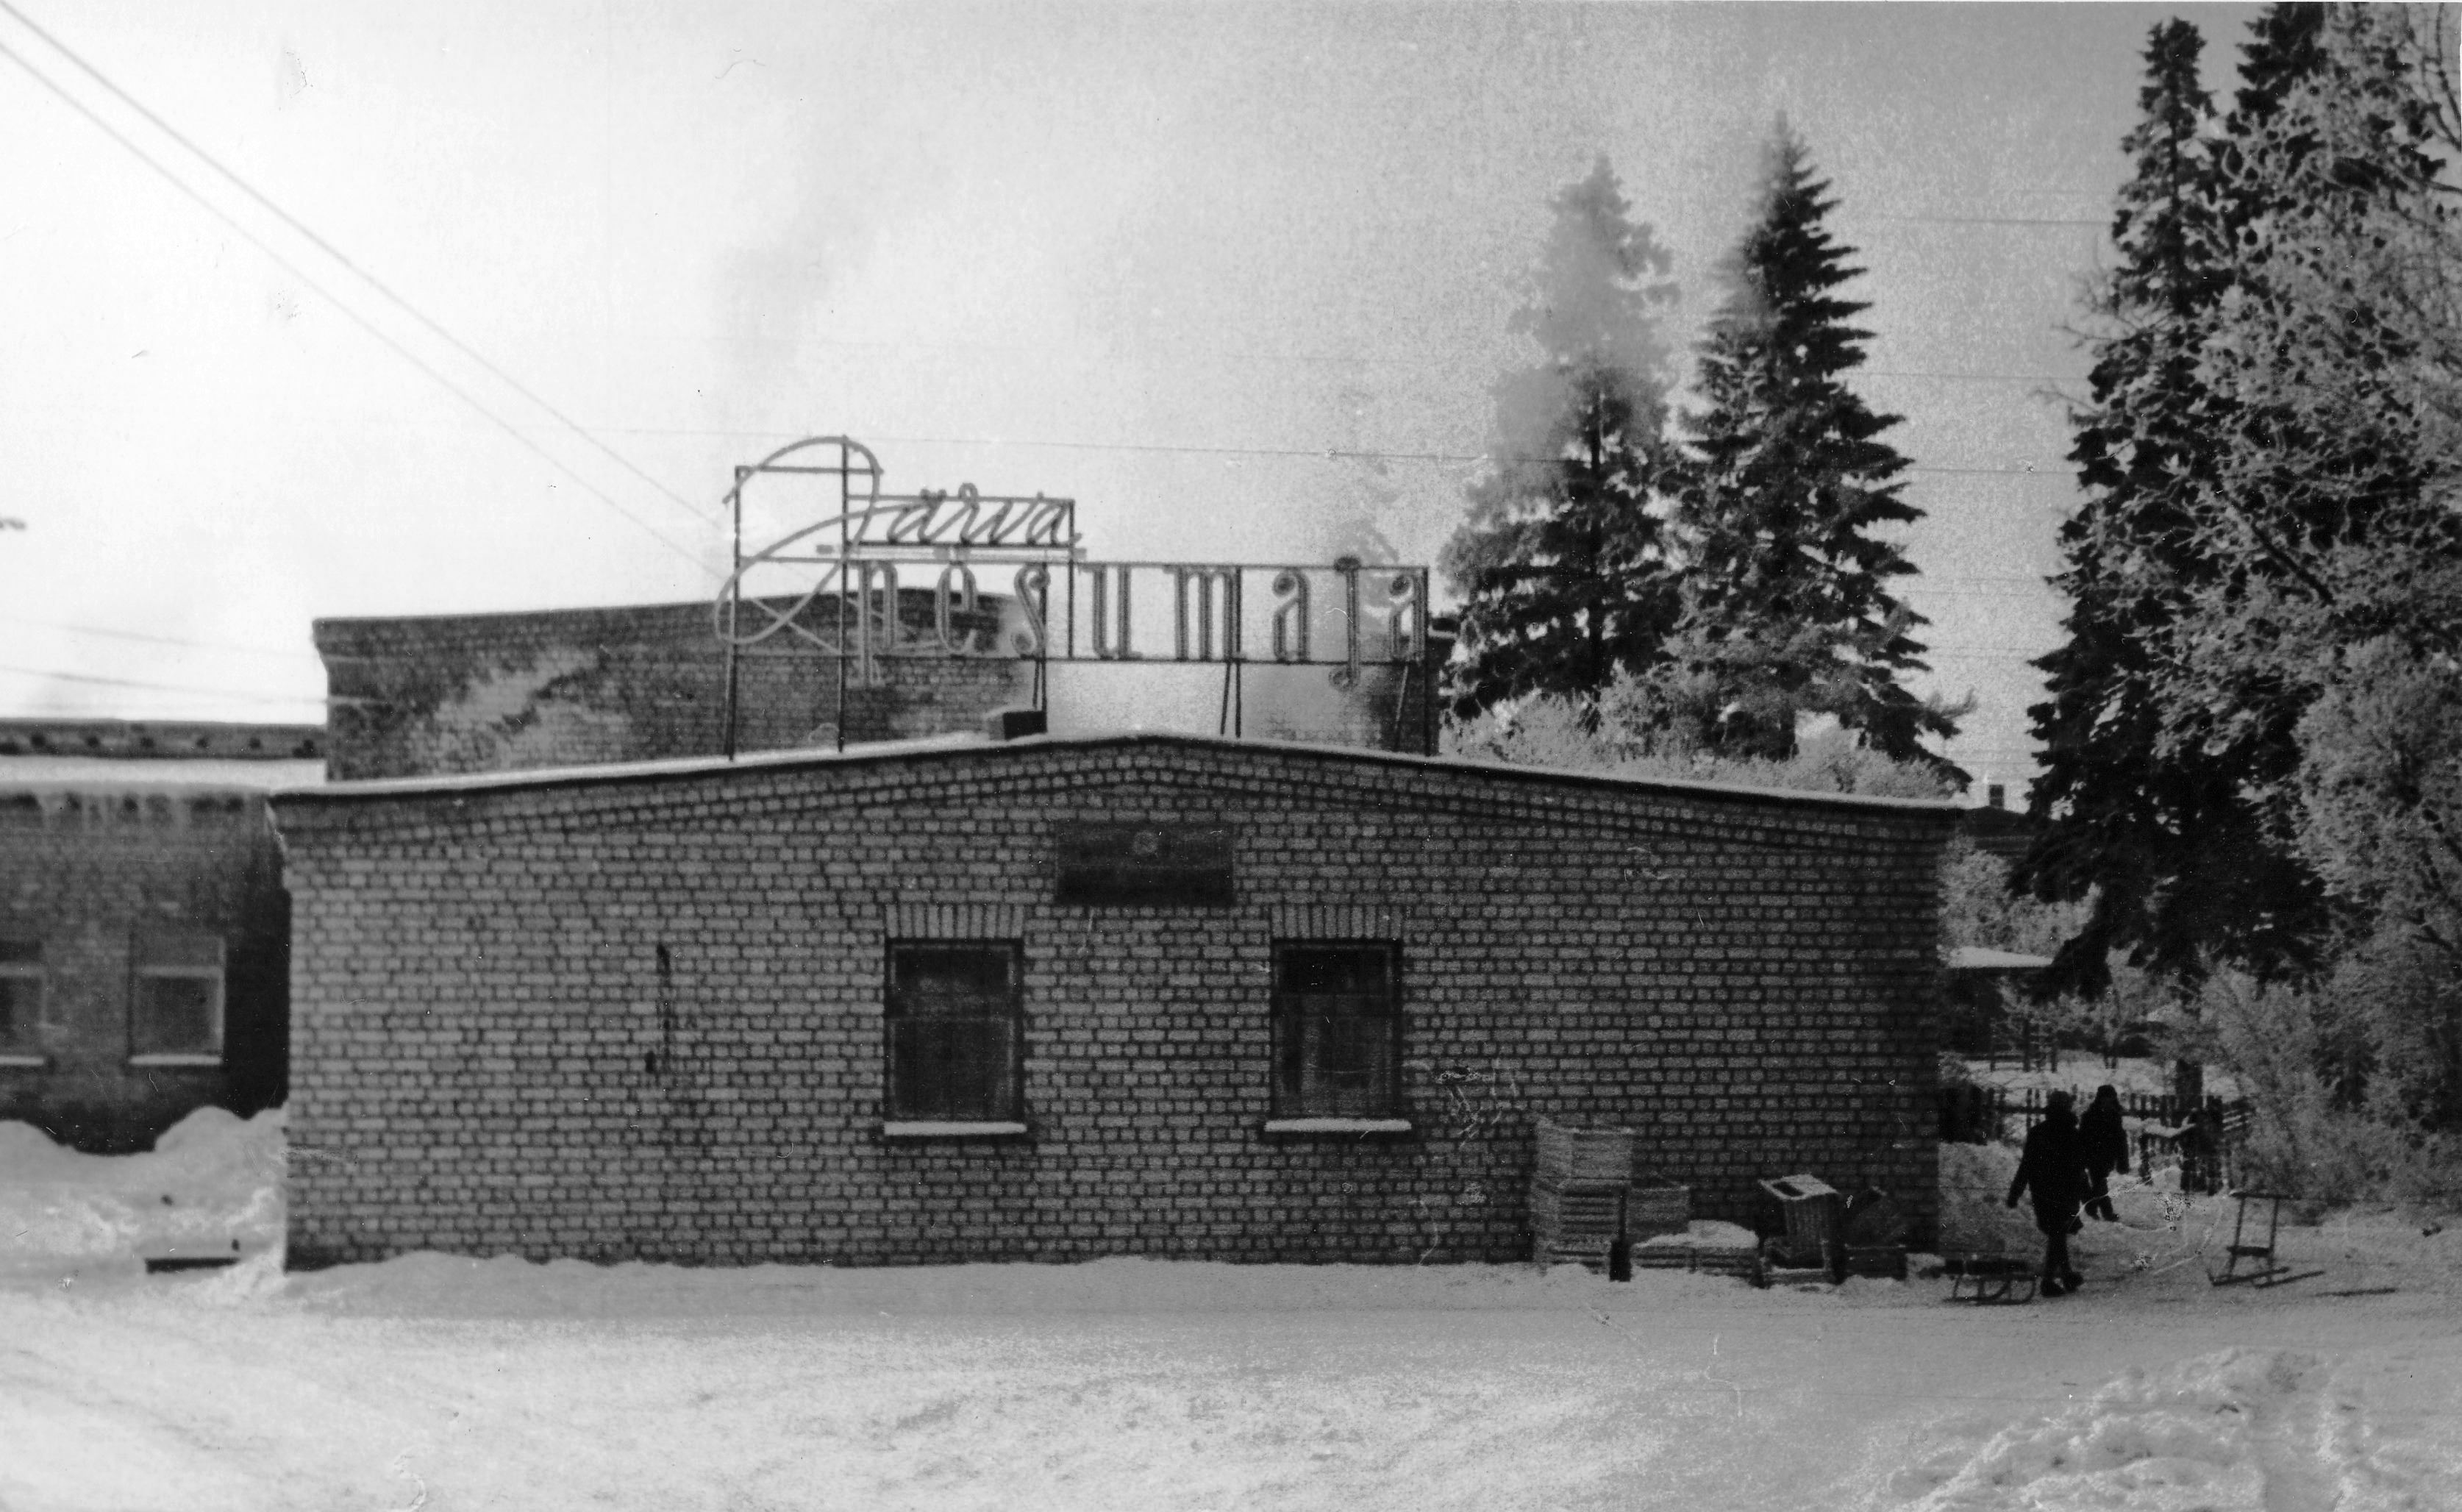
(1059, 996)
(143, 929)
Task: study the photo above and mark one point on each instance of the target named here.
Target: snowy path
(1135, 1385)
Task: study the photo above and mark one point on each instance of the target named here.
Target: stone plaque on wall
(1106, 865)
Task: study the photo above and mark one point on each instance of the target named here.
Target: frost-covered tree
(1610, 734)
(2162, 833)
(2273, 552)
(2380, 819)
(1785, 506)
(1560, 565)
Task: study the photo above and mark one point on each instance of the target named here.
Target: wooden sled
(2263, 1267)
(1991, 1278)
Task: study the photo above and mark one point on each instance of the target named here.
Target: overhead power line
(1987, 220)
(296, 655)
(54, 675)
(1317, 453)
(339, 257)
(1184, 355)
(444, 381)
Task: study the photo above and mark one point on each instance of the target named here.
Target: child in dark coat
(2107, 1149)
(2054, 1167)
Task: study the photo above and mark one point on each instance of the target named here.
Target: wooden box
(1805, 1219)
(1658, 1207)
(1568, 1155)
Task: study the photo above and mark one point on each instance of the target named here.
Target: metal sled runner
(1989, 1279)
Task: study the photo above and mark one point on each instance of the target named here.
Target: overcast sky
(1162, 259)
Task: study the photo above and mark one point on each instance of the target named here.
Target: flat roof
(161, 740)
(688, 768)
(1975, 958)
(193, 774)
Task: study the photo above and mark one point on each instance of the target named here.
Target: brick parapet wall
(1751, 982)
(469, 693)
(82, 869)
(463, 693)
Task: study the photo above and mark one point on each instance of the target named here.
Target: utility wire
(160, 641)
(1318, 453)
(1186, 354)
(358, 319)
(1982, 577)
(338, 255)
(1324, 453)
(162, 688)
(1984, 220)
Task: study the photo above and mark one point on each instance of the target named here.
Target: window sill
(175, 1060)
(24, 1062)
(930, 1128)
(1337, 1126)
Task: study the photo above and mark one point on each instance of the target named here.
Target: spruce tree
(2151, 797)
(1789, 604)
(1560, 564)
(2163, 841)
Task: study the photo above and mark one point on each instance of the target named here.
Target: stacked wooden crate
(1583, 1195)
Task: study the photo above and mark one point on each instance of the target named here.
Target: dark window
(21, 995)
(1337, 1029)
(955, 1037)
(175, 1000)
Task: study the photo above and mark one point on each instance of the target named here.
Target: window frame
(1293, 1110)
(900, 1116)
(21, 960)
(143, 971)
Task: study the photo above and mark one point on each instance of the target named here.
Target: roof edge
(1944, 811)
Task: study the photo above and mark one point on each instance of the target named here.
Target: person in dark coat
(2107, 1149)
(2054, 1167)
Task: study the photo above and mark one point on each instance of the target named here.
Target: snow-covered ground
(443, 1383)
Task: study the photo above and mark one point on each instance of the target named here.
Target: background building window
(955, 1017)
(21, 997)
(176, 1002)
(1337, 1029)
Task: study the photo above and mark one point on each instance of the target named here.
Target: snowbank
(211, 1187)
(1705, 1233)
(429, 1285)
(2240, 1428)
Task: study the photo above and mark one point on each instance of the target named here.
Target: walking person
(2106, 1149)
(2054, 1167)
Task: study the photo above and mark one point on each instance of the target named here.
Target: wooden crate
(1575, 1222)
(1723, 1259)
(1568, 1155)
(1807, 1215)
(1658, 1207)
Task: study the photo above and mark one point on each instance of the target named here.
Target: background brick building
(143, 930)
(1257, 1001)
(568, 687)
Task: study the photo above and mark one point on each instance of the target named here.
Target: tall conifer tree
(2162, 832)
(1788, 603)
(1560, 565)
